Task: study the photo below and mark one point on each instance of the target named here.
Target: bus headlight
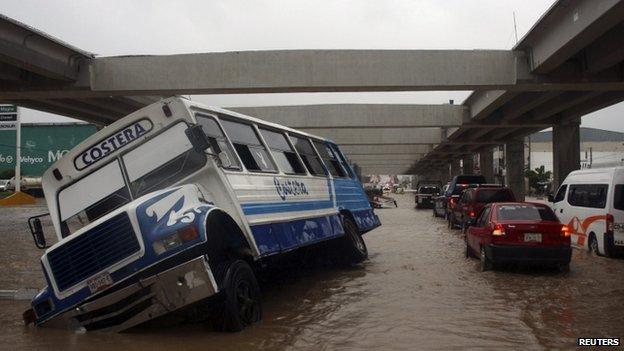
(175, 239)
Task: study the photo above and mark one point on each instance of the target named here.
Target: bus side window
(217, 139)
(283, 153)
(251, 151)
(342, 159)
(309, 157)
(330, 159)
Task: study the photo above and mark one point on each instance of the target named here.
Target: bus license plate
(99, 282)
(532, 237)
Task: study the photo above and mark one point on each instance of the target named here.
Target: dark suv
(472, 201)
(455, 188)
(425, 195)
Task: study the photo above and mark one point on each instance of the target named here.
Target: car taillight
(452, 201)
(565, 231)
(609, 223)
(498, 230)
(471, 213)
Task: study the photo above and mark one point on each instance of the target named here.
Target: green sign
(42, 145)
(8, 109)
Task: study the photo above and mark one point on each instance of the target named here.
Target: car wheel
(593, 244)
(563, 267)
(241, 304)
(469, 253)
(486, 264)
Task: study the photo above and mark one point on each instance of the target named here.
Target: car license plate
(99, 282)
(532, 237)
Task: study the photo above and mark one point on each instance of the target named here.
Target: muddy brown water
(416, 291)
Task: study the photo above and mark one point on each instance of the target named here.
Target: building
(599, 148)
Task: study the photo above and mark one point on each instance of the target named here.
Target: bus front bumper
(147, 299)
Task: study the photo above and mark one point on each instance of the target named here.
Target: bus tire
(241, 305)
(353, 245)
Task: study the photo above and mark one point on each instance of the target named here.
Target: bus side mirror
(225, 160)
(551, 198)
(198, 138)
(36, 229)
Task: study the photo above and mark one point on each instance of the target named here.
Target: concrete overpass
(569, 64)
(575, 37)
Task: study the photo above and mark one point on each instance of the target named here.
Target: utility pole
(591, 157)
(515, 27)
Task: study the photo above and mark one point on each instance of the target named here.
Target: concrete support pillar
(468, 164)
(486, 164)
(514, 160)
(566, 151)
(358, 170)
(455, 168)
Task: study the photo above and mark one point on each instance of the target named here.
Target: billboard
(42, 145)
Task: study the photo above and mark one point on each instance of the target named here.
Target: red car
(519, 232)
(472, 201)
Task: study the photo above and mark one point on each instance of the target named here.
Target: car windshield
(493, 195)
(156, 164)
(525, 212)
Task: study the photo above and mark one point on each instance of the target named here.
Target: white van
(591, 203)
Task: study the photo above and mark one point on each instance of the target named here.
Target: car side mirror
(471, 222)
(198, 138)
(551, 198)
(36, 229)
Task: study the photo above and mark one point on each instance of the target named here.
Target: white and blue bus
(179, 203)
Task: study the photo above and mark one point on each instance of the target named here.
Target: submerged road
(416, 291)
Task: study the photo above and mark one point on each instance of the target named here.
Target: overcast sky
(112, 27)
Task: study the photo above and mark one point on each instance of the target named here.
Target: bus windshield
(157, 163)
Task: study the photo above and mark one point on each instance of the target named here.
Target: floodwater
(416, 291)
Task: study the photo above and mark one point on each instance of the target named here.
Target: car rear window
(428, 190)
(525, 212)
(494, 195)
(618, 197)
(470, 180)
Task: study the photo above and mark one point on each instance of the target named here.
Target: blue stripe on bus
(276, 207)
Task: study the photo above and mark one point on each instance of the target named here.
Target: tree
(537, 176)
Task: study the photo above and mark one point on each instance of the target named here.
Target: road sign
(8, 117)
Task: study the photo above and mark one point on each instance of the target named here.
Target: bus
(178, 204)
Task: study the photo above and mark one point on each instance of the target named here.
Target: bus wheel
(241, 297)
(593, 244)
(354, 247)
